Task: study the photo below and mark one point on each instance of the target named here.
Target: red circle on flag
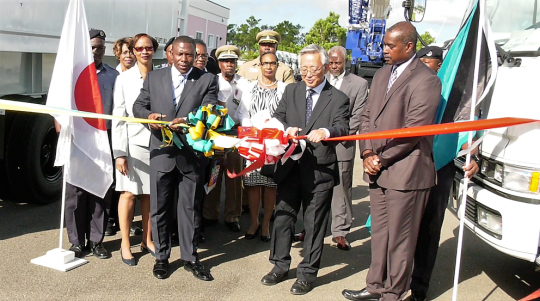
(88, 97)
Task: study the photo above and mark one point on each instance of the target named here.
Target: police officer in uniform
(268, 42)
(86, 214)
(168, 53)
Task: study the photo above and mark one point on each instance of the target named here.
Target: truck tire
(30, 155)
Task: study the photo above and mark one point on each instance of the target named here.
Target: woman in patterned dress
(263, 94)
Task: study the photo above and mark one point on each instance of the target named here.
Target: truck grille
(470, 210)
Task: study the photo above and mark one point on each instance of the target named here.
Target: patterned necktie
(309, 104)
(393, 78)
(178, 90)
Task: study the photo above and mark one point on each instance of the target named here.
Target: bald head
(399, 43)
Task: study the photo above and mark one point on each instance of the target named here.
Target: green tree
(327, 32)
(231, 33)
(427, 38)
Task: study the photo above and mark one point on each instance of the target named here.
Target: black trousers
(86, 215)
(430, 228)
(188, 187)
(290, 195)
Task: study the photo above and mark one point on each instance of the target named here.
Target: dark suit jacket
(356, 88)
(319, 162)
(157, 97)
(412, 101)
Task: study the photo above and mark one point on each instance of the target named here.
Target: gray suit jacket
(157, 97)
(357, 89)
(412, 101)
(319, 161)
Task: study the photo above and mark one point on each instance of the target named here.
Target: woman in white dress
(263, 94)
(131, 143)
(123, 51)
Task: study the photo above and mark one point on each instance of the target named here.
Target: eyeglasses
(313, 70)
(147, 48)
(271, 64)
(203, 56)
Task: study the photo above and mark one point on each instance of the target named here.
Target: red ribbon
(255, 134)
(258, 163)
(435, 129)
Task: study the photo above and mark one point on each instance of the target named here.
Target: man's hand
(174, 124)
(316, 136)
(471, 169)
(372, 164)
(155, 116)
(293, 132)
(122, 165)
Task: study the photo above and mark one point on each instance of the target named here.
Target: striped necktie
(179, 87)
(393, 78)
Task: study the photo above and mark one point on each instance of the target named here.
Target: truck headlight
(520, 179)
(489, 220)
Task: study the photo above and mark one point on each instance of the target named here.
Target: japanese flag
(83, 145)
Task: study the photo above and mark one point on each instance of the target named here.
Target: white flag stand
(60, 259)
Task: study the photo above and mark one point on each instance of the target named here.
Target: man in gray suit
(400, 171)
(171, 94)
(357, 89)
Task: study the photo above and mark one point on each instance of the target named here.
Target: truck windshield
(507, 17)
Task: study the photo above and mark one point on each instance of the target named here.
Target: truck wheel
(31, 151)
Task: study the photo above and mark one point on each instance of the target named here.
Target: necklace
(270, 85)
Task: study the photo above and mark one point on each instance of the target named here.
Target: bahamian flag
(456, 76)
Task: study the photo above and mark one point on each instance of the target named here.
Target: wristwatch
(476, 159)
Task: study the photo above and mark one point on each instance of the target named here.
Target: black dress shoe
(98, 250)
(418, 295)
(252, 236)
(145, 249)
(273, 278)
(266, 238)
(300, 287)
(78, 250)
(135, 231)
(161, 269)
(360, 295)
(198, 270)
(299, 236)
(201, 238)
(111, 230)
(233, 226)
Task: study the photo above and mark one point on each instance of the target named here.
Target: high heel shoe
(130, 262)
(146, 249)
(265, 238)
(252, 236)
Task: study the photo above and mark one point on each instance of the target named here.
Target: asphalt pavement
(29, 231)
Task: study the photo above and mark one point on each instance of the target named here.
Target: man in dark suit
(356, 88)
(400, 172)
(316, 109)
(170, 94)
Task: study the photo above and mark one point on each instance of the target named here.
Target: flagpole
(474, 96)
(62, 210)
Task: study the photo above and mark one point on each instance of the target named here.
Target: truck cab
(503, 200)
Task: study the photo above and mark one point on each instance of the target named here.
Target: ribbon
(435, 129)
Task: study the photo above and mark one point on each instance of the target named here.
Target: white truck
(503, 200)
(29, 37)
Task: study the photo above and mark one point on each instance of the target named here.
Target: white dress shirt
(403, 66)
(230, 93)
(337, 84)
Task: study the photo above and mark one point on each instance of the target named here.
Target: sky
(442, 19)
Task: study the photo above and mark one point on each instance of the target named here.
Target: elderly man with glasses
(314, 108)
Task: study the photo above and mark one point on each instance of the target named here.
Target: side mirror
(414, 10)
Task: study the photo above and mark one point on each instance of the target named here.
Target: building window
(217, 41)
(199, 35)
(210, 41)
